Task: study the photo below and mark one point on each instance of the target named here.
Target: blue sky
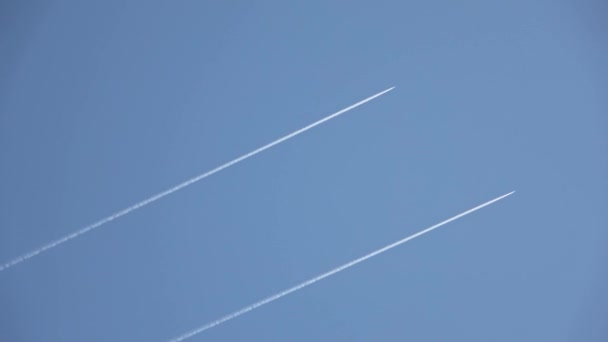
(103, 104)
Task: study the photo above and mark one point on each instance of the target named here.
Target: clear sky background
(105, 103)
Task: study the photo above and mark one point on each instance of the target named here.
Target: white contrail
(327, 274)
(180, 186)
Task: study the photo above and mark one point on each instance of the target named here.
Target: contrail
(328, 274)
(180, 186)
